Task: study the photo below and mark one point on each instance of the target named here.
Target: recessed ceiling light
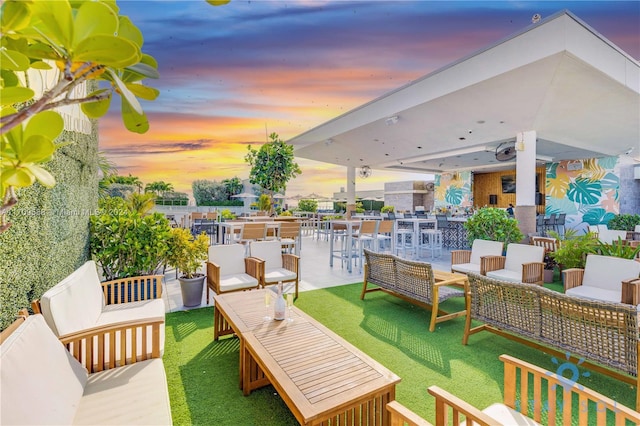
(387, 155)
(419, 147)
(462, 138)
(475, 159)
(480, 121)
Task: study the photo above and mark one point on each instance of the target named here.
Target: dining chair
(365, 237)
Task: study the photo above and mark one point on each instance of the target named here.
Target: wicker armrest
(255, 267)
(401, 415)
(460, 256)
(291, 262)
(132, 289)
(533, 273)
(491, 263)
(97, 348)
(572, 277)
(460, 408)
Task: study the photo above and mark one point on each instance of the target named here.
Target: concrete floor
(315, 273)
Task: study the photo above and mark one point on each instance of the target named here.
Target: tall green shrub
(624, 222)
(493, 224)
(125, 244)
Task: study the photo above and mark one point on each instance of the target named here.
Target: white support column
(351, 190)
(526, 181)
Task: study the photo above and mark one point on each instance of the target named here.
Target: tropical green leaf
(36, 149)
(133, 121)
(15, 15)
(144, 92)
(40, 65)
(125, 93)
(13, 95)
(96, 109)
(610, 181)
(46, 123)
(597, 216)
(107, 50)
(552, 169)
(42, 51)
(14, 61)
(128, 30)
(94, 18)
(43, 176)
(585, 191)
(18, 177)
(9, 79)
(54, 21)
(138, 72)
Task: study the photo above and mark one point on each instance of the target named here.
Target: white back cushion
(485, 248)
(229, 257)
(75, 303)
(609, 236)
(40, 382)
(517, 254)
(608, 272)
(269, 251)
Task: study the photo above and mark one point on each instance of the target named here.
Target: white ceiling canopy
(559, 77)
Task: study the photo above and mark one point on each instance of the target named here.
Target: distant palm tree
(141, 203)
(160, 188)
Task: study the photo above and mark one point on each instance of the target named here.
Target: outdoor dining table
(230, 227)
(347, 254)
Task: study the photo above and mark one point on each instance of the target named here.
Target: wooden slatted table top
(313, 369)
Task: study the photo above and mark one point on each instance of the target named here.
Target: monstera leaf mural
(597, 216)
(585, 191)
(454, 195)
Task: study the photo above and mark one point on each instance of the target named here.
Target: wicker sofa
(43, 382)
(412, 281)
(604, 334)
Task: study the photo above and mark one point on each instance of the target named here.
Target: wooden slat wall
(485, 184)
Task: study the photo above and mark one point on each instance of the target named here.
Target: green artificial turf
(203, 375)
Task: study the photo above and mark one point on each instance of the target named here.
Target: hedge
(49, 236)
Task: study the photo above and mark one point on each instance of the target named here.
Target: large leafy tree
(273, 165)
(85, 40)
(232, 186)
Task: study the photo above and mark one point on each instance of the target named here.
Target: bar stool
(431, 239)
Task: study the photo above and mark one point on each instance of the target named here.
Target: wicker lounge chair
(464, 261)
(523, 263)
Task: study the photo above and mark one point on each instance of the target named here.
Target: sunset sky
(232, 74)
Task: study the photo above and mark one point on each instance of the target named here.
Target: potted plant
(186, 254)
(549, 267)
(493, 224)
(572, 250)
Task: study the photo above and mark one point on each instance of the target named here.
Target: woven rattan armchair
(464, 261)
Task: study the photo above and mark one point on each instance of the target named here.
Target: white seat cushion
(596, 293)
(609, 236)
(75, 303)
(518, 254)
(135, 394)
(230, 258)
(278, 274)
(465, 268)
(40, 382)
(237, 282)
(481, 248)
(269, 251)
(607, 272)
(506, 275)
(505, 415)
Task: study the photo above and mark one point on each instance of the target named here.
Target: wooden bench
(413, 281)
(549, 397)
(603, 334)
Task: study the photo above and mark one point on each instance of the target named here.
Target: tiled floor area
(315, 273)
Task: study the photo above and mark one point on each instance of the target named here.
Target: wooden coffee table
(319, 375)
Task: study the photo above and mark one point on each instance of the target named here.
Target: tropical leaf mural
(454, 196)
(585, 191)
(453, 190)
(588, 195)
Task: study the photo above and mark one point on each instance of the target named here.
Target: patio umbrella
(278, 196)
(244, 196)
(371, 199)
(313, 196)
